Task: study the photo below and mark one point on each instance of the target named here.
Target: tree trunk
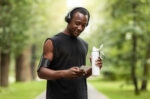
(19, 61)
(146, 69)
(134, 59)
(5, 57)
(5, 60)
(144, 81)
(23, 70)
(33, 65)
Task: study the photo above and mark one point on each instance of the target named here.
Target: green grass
(28, 90)
(118, 89)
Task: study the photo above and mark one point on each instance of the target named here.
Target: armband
(44, 62)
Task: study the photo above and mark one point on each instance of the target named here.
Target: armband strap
(44, 62)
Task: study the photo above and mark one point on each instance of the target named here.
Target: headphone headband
(69, 15)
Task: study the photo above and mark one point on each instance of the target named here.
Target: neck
(66, 31)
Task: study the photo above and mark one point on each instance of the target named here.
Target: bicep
(48, 50)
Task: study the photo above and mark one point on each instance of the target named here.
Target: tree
(146, 69)
(130, 19)
(123, 32)
(5, 39)
(144, 10)
(23, 70)
(14, 23)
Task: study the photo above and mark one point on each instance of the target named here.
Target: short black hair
(77, 9)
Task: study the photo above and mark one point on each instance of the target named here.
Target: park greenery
(117, 89)
(22, 90)
(122, 26)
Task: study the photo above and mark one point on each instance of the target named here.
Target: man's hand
(99, 62)
(73, 72)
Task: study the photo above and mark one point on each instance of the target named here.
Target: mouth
(76, 33)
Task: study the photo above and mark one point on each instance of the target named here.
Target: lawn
(112, 89)
(118, 89)
(28, 90)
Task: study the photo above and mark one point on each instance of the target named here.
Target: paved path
(92, 94)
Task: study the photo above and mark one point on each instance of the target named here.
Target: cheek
(74, 27)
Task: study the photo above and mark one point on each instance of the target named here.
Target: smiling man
(63, 55)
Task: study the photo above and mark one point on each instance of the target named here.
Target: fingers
(99, 65)
(99, 59)
(81, 72)
(75, 69)
(74, 75)
(77, 72)
(99, 62)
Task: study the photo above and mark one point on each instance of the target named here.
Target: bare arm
(49, 74)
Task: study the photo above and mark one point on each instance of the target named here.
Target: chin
(76, 34)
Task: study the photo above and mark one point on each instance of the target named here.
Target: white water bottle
(95, 55)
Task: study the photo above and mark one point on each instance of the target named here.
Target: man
(63, 55)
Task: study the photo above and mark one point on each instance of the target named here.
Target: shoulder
(56, 38)
(50, 43)
(48, 46)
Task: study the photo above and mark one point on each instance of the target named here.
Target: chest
(72, 48)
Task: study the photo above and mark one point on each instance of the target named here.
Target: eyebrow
(79, 21)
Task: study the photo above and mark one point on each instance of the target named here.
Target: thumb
(77, 68)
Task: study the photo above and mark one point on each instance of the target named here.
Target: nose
(80, 28)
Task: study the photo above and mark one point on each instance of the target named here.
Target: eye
(77, 23)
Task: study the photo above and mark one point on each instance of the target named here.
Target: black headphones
(69, 15)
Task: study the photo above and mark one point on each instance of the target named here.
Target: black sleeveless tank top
(68, 52)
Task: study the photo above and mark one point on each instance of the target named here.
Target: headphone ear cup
(67, 18)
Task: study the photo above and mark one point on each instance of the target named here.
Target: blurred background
(122, 26)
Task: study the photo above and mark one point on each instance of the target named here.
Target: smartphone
(84, 67)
